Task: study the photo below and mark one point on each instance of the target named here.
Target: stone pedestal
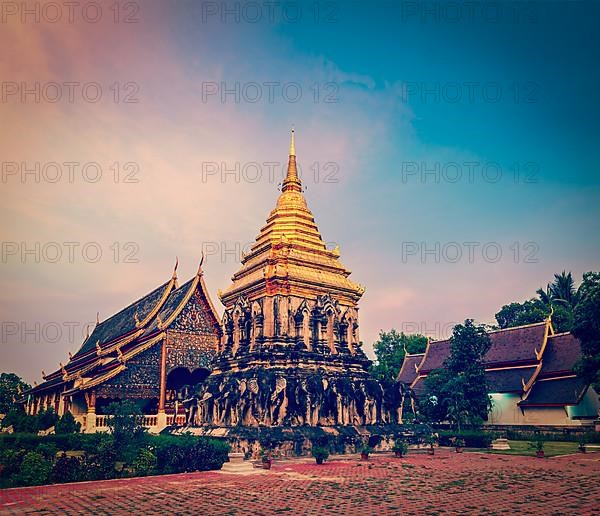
(237, 465)
(500, 444)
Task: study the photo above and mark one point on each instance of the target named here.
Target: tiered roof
(557, 384)
(530, 360)
(289, 255)
(119, 338)
(409, 370)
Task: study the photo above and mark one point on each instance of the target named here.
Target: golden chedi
(290, 352)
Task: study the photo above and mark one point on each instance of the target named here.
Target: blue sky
(374, 131)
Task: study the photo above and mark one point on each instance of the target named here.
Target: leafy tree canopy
(458, 391)
(10, 387)
(559, 298)
(390, 350)
(586, 328)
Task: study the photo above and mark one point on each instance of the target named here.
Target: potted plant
(266, 459)
(459, 444)
(430, 441)
(364, 452)
(400, 448)
(538, 446)
(320, 454)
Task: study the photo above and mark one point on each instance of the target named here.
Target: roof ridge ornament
(97, 318)
(175, 268)
(98, 348)
(200, 271)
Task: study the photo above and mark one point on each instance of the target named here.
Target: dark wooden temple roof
(555, 392)
(408, 371)
(127, 320)
(529, 360)
(513, 379)
(123, 335)
(562, 352)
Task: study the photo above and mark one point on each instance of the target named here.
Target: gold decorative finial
(98, 348)
(43, 374)
(200, 266)
(120, 355)
(97, 318)
(292, 146)
(70, 355)
(175, 268)
(292, 181)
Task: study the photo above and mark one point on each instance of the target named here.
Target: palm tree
(563, 289)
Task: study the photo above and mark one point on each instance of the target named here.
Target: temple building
(290, 352)
(529, 370)
(149, 352)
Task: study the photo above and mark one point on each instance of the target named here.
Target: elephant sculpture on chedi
(277, 399)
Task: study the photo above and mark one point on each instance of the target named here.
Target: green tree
(563, 289)
(519, 314)
(20, 421)
(67, 424)
(125, 422)
(458, 391)
(587, 328)
(390, 351)
(559, 298)
(46, 419)
(11, 386)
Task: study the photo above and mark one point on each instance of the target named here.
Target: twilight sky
(451, 152)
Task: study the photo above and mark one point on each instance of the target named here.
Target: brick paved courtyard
(420, 484)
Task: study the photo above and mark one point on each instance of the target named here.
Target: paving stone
(446, 483)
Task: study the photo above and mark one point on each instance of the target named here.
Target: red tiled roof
(435, 355)
(509, 346)
(516, 345)
(408, 373)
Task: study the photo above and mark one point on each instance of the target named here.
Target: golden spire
(292, 182)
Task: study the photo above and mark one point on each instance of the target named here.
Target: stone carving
(286, 399)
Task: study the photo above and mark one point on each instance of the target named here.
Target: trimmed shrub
(34, 471)
(67, 469)
(145, 462)
(472, 439)
(101, 465)
(178, 454)
(47, 449)
(11, 462)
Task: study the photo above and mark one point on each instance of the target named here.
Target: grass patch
(551, 449)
